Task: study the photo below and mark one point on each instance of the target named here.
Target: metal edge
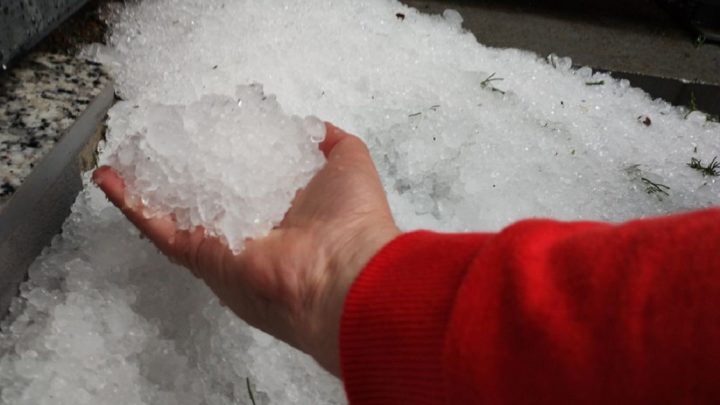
(40, 206)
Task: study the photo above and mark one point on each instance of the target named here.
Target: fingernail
(98, 177)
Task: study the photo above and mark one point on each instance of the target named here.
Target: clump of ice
(465, 137)
(229, 164)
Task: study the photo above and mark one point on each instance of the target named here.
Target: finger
(333, 135)
(160, 230)
(192, 249)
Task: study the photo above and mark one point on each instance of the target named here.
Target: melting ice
(466, 137)
(202, 163)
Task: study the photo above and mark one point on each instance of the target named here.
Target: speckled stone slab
(39, 99)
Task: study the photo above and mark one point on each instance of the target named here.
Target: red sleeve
(542, 312)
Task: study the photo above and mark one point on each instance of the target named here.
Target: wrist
(349, 257)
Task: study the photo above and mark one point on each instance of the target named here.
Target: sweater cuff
(395, 316)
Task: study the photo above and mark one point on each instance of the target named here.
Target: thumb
(333, 135)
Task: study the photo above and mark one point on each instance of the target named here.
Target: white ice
(229, 164)
(465, 137)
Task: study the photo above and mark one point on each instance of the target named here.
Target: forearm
(396, 316)
(543, 311)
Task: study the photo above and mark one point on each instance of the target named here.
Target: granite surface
(40, 98)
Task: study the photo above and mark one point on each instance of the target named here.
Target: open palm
(293, 282)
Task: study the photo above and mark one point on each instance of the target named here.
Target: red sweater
(541, 312)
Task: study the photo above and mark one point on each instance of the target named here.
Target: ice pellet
(465, 137)
(202, 163)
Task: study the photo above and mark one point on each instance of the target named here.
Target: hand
(293, 282)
